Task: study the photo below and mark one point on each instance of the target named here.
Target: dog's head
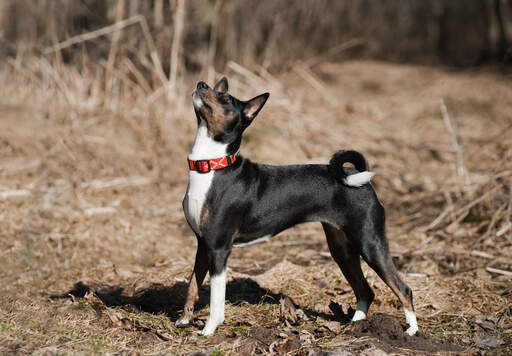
(226, 117)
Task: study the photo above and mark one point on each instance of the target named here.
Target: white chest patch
(198, 186)
(200, 183)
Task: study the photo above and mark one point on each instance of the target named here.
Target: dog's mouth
(197, 100)
(200, 105)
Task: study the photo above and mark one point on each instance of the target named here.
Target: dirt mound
(391, 335)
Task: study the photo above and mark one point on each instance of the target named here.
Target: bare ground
(95, 251)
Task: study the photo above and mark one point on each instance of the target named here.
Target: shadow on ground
(157, 298)
(384, 331)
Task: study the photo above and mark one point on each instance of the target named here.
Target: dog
(232, 201)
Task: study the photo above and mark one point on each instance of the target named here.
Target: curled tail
(359, 162)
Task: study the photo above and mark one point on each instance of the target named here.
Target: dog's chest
(198, 186)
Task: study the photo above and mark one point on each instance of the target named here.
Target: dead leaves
(332, 326)
(484, 339)
(118, 318)
(289, 312)
(491, 327)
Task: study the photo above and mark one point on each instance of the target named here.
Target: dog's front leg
(217, 259)
(195, 281)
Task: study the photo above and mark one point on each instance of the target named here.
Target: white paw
(182, 322)
(359, 315)
(210, 327)
(412, 330)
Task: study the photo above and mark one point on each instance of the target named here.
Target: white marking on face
(257, 241)
(359, 315)
(410, 318)
(199, 183)
(217, 301)
(196, 99)
(358, 179)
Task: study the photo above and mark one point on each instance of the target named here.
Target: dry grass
(91, 184)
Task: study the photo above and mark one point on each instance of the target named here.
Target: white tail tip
(358, 179)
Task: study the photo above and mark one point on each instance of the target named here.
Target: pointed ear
(253, 106)
(222, 85)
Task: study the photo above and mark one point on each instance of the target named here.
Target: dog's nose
(202, 85)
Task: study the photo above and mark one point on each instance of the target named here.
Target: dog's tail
(359, 162)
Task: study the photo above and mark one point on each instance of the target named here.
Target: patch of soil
(391, 335)
(273, 340)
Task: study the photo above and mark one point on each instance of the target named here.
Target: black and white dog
(232, 201)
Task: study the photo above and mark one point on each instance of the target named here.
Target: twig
(47, 68)
(117, 183)
(354, 42)
(482, 254)
(212, 47)
(504, 229)
(461, 169)
(100, 210)
(499, 271)
(66, 147)
(153, 53)
(123, 77)
(460, 213)
(138, 75)
(440, 218)
(250, 76)
(16, 194)
(117, 27)
(179, 22)
(474, 202)
(309, 77)
(158, 13)
(494, 220)
(116, 36)
(93, 34)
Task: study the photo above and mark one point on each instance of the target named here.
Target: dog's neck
(205, 147)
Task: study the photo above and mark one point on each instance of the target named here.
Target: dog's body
(246, 202)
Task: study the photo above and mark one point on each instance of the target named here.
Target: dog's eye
(226, 98)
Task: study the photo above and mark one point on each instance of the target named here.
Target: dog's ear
(222, 85)
(253, 106)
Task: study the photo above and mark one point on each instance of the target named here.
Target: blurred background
(96, 122)
(271, 34)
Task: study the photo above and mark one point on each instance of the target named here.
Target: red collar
(207, 165)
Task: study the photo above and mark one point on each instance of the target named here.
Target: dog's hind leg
(195, 281)
(346, 256)
(375, 252)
